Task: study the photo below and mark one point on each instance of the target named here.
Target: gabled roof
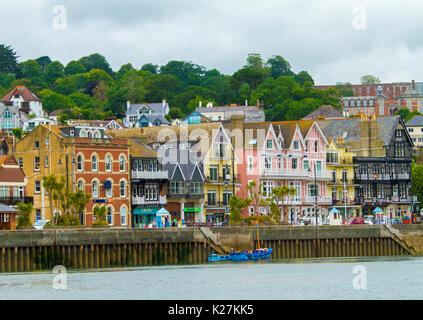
(155, 117)
(10, 171)
(324, 111)
(138, 149)
(155, 107)
(416, 121)
(194, 113)
(23, 91)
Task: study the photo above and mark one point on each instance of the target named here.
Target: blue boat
(238, 256)
(259, 254)
(217, 257)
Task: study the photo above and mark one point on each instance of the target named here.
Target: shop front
(215, 216)
(144, 217)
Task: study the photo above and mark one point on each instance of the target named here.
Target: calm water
(387, 278)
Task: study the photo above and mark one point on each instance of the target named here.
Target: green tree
(279, 196)
(403, 112)
(175, 113)
(74, 67)
(17, 132)
(30, 69)
(96, 61)
(79, 201)
(302, 77)
(49, 184)
(54, 101)
(417, 181)
(123, 69)
(65, 86)
(236, 205)
(152, 68)
(24, 217)
(279, 67)
(369, 79)
(43, 61)
(100, 213)
(8, 60)
(54, 71)
(117, 98)
(161, 87)
(6, 79)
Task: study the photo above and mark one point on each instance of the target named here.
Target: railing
(295, 173)
(221, 180)
(135, 174)
(408, 199)
(143, 201)
(10, 201)
(341, 182)
(185, 195)
(218, 204)
(383, 176)
(320, 199)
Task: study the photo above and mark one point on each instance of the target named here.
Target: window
(399, 150)
(306, 164)
(226, 173)
(250, 167)
(297, 186)
(251, 211)
(20, 163)
(110, 215)
(410, 130)
(95, 189)
(306, 145)
(294, 163)
(151, 192)
(219, 150)
(96, 135)
(226, 197)
(72, 133)
(81, 185)
(37, 187)
(122, 188)
(267, 188)
(36, 163)
(108, 163)
(316, 146)
(268, 163)
(46, 161)
(213, 174)
(94, 163)
(109, 191)
(36, 144)
(313, 190)
(196, 188)
(269, 144)
(79, 163)
(211, 198)
(37, 214)
(177, 187)
(296, 145)
(344, 176)
(122, 163)
(123, 216)
(332, 157)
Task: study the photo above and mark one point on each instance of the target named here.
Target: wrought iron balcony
(142, 201)
(149, 175)
(13, 201)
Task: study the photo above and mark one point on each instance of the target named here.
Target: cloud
(315, 36)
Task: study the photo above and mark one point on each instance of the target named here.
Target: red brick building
(102, 171)
(12, 182)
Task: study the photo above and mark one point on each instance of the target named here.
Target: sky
(335, 41)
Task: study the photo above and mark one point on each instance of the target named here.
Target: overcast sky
(333, 40)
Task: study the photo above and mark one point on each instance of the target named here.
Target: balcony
(13, 201)
(341, 182)
(387, 200)
(288, 173)
(185, 195)
(382, 176)
(321, 200)
(221, 180)
(142, 201)
(149, 175)
(218, 204)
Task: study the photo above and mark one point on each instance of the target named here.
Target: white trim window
(95, 189)
(94, 163)
(122, 166)
(108, 163)
(79, 163)
(123, 188)
(250, 164)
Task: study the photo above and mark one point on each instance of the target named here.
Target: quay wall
(30, 250)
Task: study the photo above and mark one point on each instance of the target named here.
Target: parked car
(369, 220)
(39, 225)
(354, 220)
(304, 221)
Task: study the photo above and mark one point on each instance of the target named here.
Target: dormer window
(296, 145)
(269, 144)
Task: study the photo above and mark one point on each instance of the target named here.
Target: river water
(340, 278)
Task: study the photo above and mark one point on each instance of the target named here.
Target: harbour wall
(29, 250)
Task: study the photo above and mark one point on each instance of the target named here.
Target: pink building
(289, 153)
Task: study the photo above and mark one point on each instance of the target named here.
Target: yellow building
(221, 176)
(340, 167)
(38, 153)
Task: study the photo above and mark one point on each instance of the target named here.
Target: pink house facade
(289, 153)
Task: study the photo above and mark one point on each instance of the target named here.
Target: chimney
(246, 102)
(128, 105)
(210, 105)
(164, 104)
(237, 131)
(200, 104)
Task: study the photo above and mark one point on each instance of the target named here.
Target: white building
(134, 112)
(24, 100)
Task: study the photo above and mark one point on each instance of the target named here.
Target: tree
(254, 61)
(54, 101)
(403, 112)
(17, 132)
(161, 86)
(236, 205)
(6, 79)
(279, 195)
(133, 82)
(54, 71)
(8, 60)
(96, 61)
(279, 67)
(74, 67)
(344, 89)
(79, 201)
(100, 91)
(24, 217)
(100, 213)
(255, 193)
(117, 98)
(175, 113)
(65, 86)
(302, 77)
(49, 183)
(123, 69)
(369, 79)
(43, 61)
(153, 68)
(30, 69)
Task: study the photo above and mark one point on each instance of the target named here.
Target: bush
(259, 219)
(68, 220)
(100, 224)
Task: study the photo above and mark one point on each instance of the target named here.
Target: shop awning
(162, 211)
(145, 211)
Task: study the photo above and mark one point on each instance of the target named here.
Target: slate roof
(325, 111)
(416, 121)
(154, 117)
(349, 128)
(6, 209)
(156, 108)
(26, 94)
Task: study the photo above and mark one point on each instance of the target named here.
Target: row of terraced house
(353, 164)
